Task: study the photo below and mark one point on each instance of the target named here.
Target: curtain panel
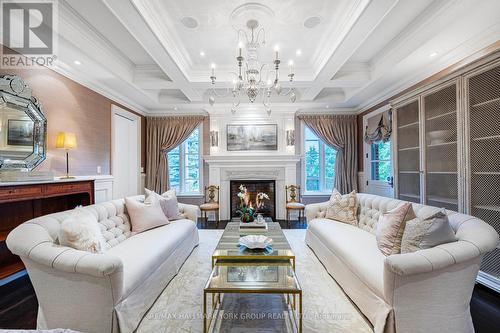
(340, 132)
(162, 135)
(379, 128)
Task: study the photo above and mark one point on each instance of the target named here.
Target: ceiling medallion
(249, 79)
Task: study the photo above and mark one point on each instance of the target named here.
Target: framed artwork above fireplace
(252, 137)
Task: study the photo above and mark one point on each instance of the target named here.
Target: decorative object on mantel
(250, 81)
(24, 144)
(252, 137)
(25, 176)
(66, 141)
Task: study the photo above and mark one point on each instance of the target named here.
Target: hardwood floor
(18, 303)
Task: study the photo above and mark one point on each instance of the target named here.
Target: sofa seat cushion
(143, 253)
(356, 248)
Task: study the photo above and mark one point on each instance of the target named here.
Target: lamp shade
(66, 140)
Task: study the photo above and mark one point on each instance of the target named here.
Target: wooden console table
(22, 202)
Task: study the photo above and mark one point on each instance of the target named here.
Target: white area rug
(326, 307)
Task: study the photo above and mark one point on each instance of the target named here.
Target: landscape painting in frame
(20, 132)
(252, 137)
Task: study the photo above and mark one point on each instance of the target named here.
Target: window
(319, 166)
(380, 162)
(184, 165)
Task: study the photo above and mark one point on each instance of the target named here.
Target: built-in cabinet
(447, 148)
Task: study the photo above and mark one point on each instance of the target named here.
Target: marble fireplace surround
(280, 168)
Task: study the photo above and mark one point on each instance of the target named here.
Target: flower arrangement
(247, 210)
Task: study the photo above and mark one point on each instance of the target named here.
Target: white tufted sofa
(107, 292)
(424, 291)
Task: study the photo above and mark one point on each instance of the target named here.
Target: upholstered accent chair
(292, 197)
(211, 202)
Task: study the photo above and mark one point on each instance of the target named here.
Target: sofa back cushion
(370, 208)
(113, 220)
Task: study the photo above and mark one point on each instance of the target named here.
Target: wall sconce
(214, 139)
(290, 137)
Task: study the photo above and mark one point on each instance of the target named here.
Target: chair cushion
(209, 206)
(143, 253)
(356, 248)
(295, 205)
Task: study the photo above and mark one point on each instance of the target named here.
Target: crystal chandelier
(249, 80)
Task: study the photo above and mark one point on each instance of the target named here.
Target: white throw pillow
(171, 206)
(145, 215)
(81, 231)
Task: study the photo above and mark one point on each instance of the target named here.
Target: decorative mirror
(23, 127)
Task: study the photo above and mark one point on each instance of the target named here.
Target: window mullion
(182, 167)
(322, 173)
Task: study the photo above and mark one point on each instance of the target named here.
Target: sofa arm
(433, 259)
(30, 240)
(316, 210)
(191, 212)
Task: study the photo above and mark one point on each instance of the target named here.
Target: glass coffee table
(229, 249)
(238, 270)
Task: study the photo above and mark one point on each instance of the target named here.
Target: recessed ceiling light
(176, 108)
(298, 53)
(77, 62)
(189, 22)
(433, 54)
(312, 22)
(202, 53)
(328, 106)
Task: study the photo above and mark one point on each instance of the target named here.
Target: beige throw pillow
(427, 232)
(343, 208)
(145, 215)
(81, 231)
(390, 228)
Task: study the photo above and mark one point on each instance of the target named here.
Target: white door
(125, 158)
(378, 163)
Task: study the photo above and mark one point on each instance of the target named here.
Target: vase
(246, 217)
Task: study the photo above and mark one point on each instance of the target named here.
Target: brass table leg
(204, 312)
(300, 312)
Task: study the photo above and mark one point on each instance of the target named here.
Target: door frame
(382, 185)
(116, 110)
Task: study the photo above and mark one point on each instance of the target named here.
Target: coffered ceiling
(154, 55)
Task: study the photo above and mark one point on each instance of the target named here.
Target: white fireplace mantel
(224, 168)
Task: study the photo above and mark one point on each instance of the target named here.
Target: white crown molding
(100, 89)
(466, 49)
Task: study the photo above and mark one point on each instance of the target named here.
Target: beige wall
(71, 107)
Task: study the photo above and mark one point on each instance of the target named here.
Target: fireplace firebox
(267, 208)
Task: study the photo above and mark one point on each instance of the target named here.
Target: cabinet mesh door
(408, 152)
(440, 112)
(484, 118)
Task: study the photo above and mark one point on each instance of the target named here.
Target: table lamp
(67, 141)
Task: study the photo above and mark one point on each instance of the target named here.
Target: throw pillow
(145, 215)
(390, 228)
(171, 206)
(81, 231)
(343, 208)
(427, 232)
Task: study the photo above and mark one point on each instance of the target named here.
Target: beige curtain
(340, 132)
(162, 135)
